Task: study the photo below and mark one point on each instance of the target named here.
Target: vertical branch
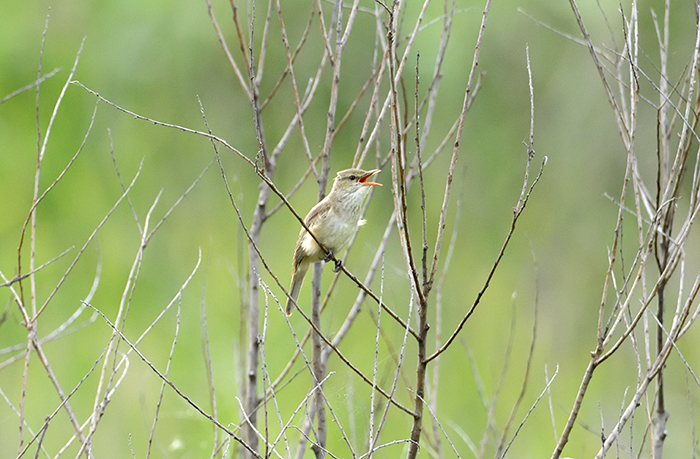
(318, 367)
(397, 373)
(251, 387)
(251, 395)
(663, 237)
(421, 371)
(398, 166)
(424, 257)
(398, 160)
(208, 366)
(372, 403)
(318, 362)
(265, 375)
(432, 91)
(31, 319)
(222, 41)
(295, 90)
(30, 323)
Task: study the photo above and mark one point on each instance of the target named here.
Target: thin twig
(37, 82)
(174, 387)
(516, 215)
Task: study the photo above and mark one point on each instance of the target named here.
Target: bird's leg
(338, 265)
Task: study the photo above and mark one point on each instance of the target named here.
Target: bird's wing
(317, 214)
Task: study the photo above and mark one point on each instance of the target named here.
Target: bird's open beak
(363, 179)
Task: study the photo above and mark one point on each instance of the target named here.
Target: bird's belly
(333, 238)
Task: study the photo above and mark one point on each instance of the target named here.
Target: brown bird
(333, 221)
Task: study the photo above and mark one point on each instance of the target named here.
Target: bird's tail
(297, 280)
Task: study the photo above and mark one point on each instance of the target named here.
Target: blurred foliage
(156, 58)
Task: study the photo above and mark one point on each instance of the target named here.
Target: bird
(333, 221)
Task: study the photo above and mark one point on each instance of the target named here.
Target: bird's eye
(353, 177)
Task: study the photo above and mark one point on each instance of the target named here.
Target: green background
(156, 58)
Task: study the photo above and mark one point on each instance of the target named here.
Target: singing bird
(333, 221)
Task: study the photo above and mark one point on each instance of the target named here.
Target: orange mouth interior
(364, 181)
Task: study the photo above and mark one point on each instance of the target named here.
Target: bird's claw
(338, 263)
(329, 256)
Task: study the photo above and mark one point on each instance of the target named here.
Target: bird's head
(351, 180)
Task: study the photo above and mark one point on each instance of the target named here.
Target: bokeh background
(157, 58)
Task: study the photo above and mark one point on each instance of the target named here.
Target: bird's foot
(329, 256)
(338, 263)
